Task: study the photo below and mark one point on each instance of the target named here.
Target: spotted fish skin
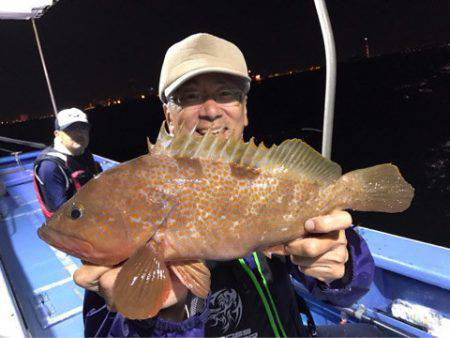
(223, 211)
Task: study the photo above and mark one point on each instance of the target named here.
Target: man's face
(75, 138)
(213, 102)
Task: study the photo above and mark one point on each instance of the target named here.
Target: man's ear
(169, 119)
(245, 111)
(56, 133)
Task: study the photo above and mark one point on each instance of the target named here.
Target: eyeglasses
(224, 96)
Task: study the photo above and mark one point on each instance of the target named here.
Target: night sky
(101, 48)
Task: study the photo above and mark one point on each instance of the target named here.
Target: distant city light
(142, 96)
(366, 48)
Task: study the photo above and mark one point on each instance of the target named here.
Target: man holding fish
(203, 194)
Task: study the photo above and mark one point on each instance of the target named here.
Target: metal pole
(330, 87)
(38, 42)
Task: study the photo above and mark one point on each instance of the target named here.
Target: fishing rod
(330, 86)
(22, 142)
(6, 150)
(361, 316)
(47, 78)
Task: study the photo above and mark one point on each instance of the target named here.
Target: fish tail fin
(194, 275)
(143, 284)
(378, 188)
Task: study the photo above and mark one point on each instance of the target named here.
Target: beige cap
(199, 54)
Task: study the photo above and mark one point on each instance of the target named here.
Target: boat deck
(48, 300)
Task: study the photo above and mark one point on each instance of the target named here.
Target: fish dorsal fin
(292, 159)
(149, 145)
(162, 142)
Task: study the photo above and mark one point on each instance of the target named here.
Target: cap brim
(182, 79)
(73, 124)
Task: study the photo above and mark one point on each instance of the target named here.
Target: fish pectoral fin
(194, 275)
(143, 284)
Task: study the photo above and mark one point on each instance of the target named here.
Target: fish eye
(75, 213)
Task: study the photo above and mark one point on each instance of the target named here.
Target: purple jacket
(232, 294)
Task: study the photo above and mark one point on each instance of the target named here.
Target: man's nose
(210, 110)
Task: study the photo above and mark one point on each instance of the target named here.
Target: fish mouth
(69, 244)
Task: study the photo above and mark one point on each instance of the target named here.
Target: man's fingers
(322, 231)
(108, 279)
(177, 294)
(336, 220)
(276, 250)
(337, 256)
(87, 276)
(317, 245)
(324, 273)
(106, 285)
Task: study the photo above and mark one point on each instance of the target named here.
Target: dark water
(390, 109)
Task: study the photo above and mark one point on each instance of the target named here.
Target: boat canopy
(24, 9)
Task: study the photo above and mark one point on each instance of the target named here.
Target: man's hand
(101, 279)
(322, 254)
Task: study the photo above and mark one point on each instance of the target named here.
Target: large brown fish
(194, 198)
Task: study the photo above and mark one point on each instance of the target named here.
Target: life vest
(76, 174)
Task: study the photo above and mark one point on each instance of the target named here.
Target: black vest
(236, 308)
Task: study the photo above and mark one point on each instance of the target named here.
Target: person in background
(203, 86)
(63, 168)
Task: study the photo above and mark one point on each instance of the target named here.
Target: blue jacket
(235, 306)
